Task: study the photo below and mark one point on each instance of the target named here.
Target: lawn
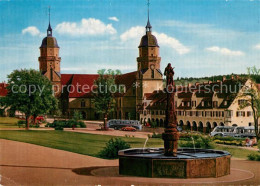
(88, 144)
(91, 144)
(237, 152)
(7, 122)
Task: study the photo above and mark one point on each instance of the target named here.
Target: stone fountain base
(189, 163)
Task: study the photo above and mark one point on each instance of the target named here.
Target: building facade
(201, 107)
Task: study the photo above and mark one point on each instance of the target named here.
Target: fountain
(171, 162)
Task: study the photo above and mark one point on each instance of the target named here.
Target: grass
(8, 122)
(87, 144)
(236, 152)
(91, 144)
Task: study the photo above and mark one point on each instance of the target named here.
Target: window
(249, 113)
(83, 103)
(241, 102)
(215, 104)
(229, 113)
(134, 91)
(152, 75)
(241, 113)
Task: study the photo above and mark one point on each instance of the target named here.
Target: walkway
(27, 164)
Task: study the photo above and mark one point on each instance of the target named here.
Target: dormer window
(83, 103)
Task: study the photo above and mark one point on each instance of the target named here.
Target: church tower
(149, 77)
(49, 60)
(149, 57)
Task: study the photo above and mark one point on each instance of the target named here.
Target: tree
(104, 93)
(30, 93)
(77, 116)
(252, 98)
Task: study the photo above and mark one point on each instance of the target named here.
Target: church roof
(49, 42)
(80, 85)
(86, 82)
(148, 40)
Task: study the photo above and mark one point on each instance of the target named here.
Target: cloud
(90, 26)
(225, 51)
(133, 33)
(113, 19)
(163, 39)
(166, 40)
(32, 30)
(257, 47)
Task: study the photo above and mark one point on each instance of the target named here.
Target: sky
(199, 37)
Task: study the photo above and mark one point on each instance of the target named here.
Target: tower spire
(49, 30)
(148, 25)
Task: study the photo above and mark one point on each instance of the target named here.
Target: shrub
(34, 126)
(21, 123)
(200, 141)
(153, 124)
(59, 126)
(254, 157)
(112, 148)
(66, 124)
(82, 124)
(251, 157)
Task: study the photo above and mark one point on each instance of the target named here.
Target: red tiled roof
(80, 84)
(126, 79)
(3, 90)
(65, 78)
(86, 82)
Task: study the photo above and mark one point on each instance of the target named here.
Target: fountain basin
(189, 163)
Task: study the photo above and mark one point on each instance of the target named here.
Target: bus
(118, 124)
(233, 131)
(223, 131)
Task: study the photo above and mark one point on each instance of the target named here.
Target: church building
(147, 78)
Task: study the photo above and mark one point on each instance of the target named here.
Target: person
(250, 143)
(247, 142)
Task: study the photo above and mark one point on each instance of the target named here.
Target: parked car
(128, 128)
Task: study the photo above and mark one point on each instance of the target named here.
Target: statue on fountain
(171, 134)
